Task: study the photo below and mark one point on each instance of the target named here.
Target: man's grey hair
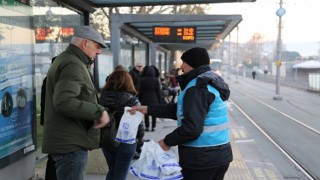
(76, 41)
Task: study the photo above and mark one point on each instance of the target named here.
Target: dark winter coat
(136, 78)
(43, 97)
(150, 87)
(71, 107)
(196, 104)
(42, 100)
(118, 101)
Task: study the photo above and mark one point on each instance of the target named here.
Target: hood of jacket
(149, 71)
(204, 77)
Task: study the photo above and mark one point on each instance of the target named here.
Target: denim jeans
(119, 161)
(71, 166)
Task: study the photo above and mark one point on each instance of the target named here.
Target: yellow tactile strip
(238, 169)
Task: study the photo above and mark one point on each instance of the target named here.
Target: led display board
(174, 34)
(53, 33)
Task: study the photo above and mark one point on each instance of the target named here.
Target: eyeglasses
(139, 66)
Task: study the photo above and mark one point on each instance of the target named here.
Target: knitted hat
(196, 57)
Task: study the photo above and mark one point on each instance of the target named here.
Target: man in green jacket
(72, 114)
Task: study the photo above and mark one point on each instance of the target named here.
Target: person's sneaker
(152, 129)
(146, 129)
(136, 155)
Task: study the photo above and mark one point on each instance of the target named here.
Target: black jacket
(117, 101)
(43, 97)
(136, 78)
(196, 104)
(42, 100)
(150, 87)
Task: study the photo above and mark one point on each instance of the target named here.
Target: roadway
(287, 131)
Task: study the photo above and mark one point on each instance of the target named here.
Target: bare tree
(257, 52)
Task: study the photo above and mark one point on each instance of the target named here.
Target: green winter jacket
(71, 105)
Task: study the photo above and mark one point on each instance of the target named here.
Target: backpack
(109, 132)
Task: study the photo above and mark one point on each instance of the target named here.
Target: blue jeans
(71, 166)
(119, 161)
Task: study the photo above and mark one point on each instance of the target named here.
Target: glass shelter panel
(31, 33)
(16, 83)
(140, 53)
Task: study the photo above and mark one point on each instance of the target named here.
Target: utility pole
(280, 12)
(229, 57)
(237, 55)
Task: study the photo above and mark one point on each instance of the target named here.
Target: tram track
(272, 137)
(284, 114)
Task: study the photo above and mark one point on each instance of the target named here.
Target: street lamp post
(237, 54)
(280, 12)
(229, 57)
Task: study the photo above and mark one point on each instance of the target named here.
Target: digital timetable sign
(174, 34)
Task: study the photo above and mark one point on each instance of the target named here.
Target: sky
(300, 28)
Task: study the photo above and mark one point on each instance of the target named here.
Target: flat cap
(87, 32)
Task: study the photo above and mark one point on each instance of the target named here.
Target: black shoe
(136, 155)
(152, 129)
(146, 129)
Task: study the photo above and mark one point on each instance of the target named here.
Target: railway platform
(255, 157)
(249, 161)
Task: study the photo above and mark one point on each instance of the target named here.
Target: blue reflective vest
(215, 130)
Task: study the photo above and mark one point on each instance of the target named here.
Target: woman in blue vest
(202, 134)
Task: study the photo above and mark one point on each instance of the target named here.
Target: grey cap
(87, 32)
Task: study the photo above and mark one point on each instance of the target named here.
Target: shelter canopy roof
(118, 3)
(210, 29)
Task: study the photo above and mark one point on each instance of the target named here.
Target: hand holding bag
(167, 161)
(128, 127)
(155, 163)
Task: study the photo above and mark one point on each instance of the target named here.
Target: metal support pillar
(153, 54)
(115, 39)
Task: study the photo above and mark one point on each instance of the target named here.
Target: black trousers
(207, 174)
(147, 123)
(50, 169)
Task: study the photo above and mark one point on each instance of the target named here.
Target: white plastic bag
(136, 167)
(128, 127)
(167, 161)
(148, 167)
(154, 163)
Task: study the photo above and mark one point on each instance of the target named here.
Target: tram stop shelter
(210, 29)
(207, 30)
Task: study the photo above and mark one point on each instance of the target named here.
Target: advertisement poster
(16, 106)
(16, 87)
